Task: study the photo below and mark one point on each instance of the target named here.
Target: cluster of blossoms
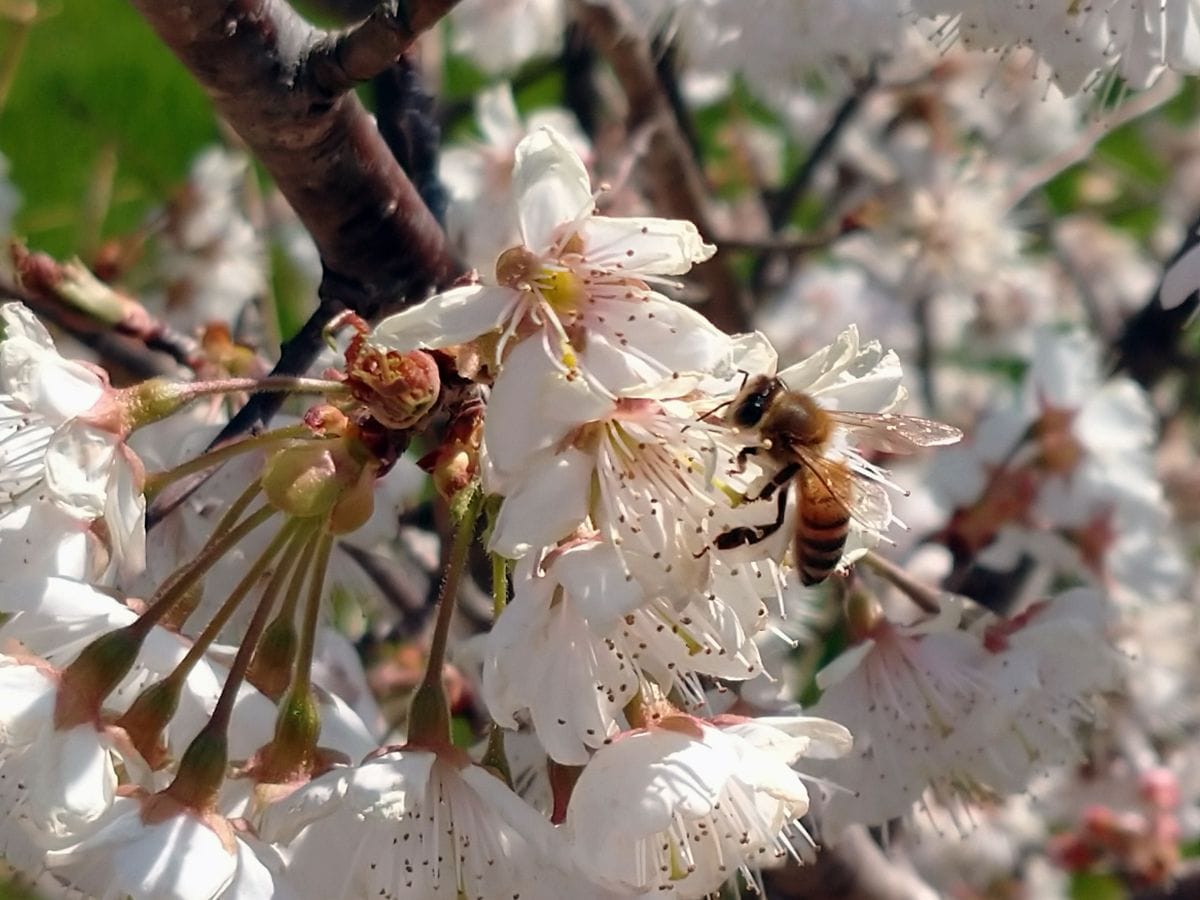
(1080, 45)
(613, 475)
(221, 672)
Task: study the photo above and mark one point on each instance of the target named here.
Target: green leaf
(99, 109)
(1096, 886)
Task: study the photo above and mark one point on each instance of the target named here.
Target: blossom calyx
(398, 389)
(454, 463)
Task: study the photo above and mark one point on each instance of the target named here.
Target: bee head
(753, 400)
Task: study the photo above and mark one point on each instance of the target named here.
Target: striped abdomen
(823, 521)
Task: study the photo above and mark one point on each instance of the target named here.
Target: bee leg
(743, 455)
(747, 535)
(782, 477)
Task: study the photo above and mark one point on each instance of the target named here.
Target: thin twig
(665, 60)
(797, 246)
(924, 596)
(1139, 105)
(854, 868)
(121, 356)
(783, 202)
(70, 295)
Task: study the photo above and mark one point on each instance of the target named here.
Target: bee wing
(895, 434)
(872, 508)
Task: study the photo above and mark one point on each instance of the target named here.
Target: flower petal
(549, 503)
(596, 580)
(533, 406)
(552, 187)
(644, 246)
(79, 461)
(452, 317)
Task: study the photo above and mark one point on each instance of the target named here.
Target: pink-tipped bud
(1160, 789)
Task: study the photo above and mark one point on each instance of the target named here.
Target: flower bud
(355, 504)
(202, 769)
(148, 717)
(863, 614)
(302, 480)
(271, 668)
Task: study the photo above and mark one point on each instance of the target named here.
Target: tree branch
(675, 182)
(258, 60)
(783, 202)
(274, 79)
(404, 113)
(368, 49)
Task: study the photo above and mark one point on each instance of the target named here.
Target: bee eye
(750, 411)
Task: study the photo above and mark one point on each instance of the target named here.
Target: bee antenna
(745, 378)
(715, 410)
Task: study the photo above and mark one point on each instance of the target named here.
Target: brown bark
(283, 86)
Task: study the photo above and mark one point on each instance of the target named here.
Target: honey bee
(797, 433)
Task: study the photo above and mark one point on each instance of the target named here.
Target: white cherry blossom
(500, 35)
(935, 707)
(637, 467)
(577, 284)
(695, 801)
(415, 823)
(152, 848)
(69, 772)
(52, 453)
(1064, 641)
(481, 217)
(1084, 42)
(901, 692)
(578, 639)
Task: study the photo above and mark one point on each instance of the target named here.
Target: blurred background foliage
(98, 120)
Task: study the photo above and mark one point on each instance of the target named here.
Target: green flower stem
(271, 667)
(429, 718)
(312, 615)
(284, 383)
(499, 585)
(156, 481)
(218, 545)
(287, 534)
(300, 539)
